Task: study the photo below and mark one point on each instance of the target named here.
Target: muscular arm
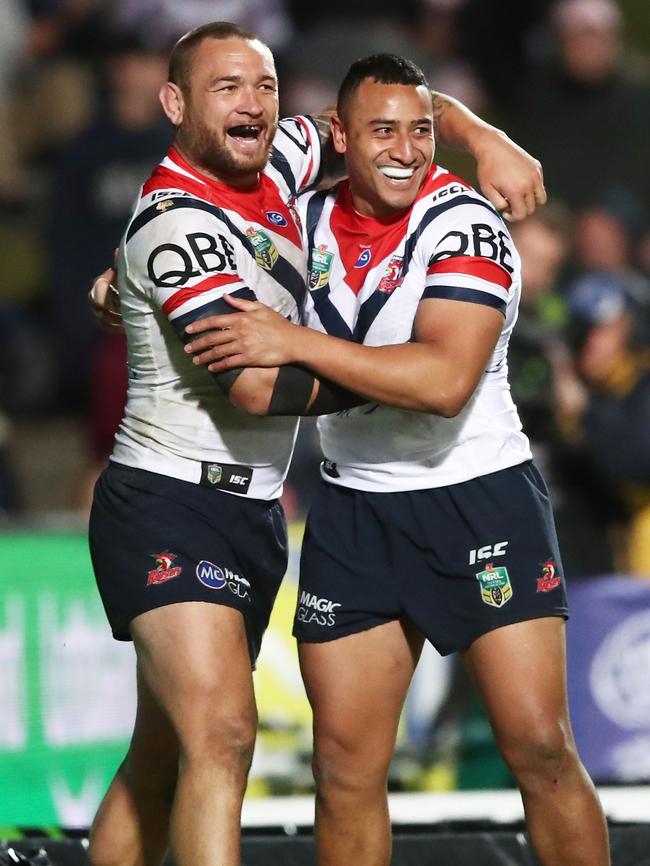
(437, 373)
(509, 176)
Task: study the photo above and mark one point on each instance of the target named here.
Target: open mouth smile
(245, 132)
(395, 172)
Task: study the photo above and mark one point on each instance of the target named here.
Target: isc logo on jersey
(312, 609)
(215, 577)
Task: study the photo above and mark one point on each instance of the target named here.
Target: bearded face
(230, 110)
(226, 151)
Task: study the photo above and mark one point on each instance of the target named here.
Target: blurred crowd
(80, 127)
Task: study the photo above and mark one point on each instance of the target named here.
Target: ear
(338, 134)
(172, 101)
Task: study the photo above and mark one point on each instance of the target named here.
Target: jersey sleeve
(297, 152)
(469, 254)
(183, 259)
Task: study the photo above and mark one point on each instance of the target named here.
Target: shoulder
(296, 154)
(448, 205)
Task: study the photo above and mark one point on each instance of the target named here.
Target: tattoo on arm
(332, 163)
(440, 105)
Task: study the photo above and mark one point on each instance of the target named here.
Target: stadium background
(79, 127)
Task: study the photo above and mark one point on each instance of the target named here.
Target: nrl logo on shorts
(321, 264)
(214, 473)
(164, 570)
(164, 205)
(393, 275)
(496, 588)
(549, 579)
(266, 254)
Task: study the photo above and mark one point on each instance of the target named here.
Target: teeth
(244, 131)
(395, 172)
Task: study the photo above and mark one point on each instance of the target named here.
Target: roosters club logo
(164, 569)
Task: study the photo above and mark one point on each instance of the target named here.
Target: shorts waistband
(232, 477)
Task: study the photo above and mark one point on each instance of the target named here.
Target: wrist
(303, 343)
(481, 138)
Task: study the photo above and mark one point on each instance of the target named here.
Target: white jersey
(190, 240)
(366, 279)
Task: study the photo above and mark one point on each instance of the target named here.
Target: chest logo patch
(276, 218)
(320, 264)
(364, 258)
(496, 588)
(266, 254)
(393, 276)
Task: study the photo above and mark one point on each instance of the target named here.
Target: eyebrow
(237, 79)
(389, 122)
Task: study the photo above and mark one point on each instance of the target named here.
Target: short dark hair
(382, 68)
(180, 60)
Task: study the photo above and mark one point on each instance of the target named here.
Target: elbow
(252, 394)
(448, 403)
(253, 402)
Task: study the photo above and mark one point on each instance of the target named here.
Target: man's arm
(509, 176)
(437, 373)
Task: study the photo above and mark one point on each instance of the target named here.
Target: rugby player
(187, 536)
(432, 521)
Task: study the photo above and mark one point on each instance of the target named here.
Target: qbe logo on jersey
(215, 577)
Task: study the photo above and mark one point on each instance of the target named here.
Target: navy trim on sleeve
(458, 293)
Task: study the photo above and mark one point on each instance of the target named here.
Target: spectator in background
(13, 38)
(541, 372)
(465, 32)
(162, 22)
(607, 411)
(54, 87)
(589, 113)
(536, 346)
(91, 198)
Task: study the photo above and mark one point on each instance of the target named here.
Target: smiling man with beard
(187, 535)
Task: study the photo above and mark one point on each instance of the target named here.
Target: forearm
(289, 390)
(412, 376)
(458, 128)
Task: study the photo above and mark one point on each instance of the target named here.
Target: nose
(402, 149)
(250, 102)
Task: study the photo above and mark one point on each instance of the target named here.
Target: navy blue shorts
(457, 561)
(155, 540)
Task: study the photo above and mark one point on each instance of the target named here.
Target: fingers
(242, 303)
(500, 202)
(207, 341)
(523, 203)
(520, 205)
(540, 195)
(210, 323)
(101, 287)
(105, 301)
